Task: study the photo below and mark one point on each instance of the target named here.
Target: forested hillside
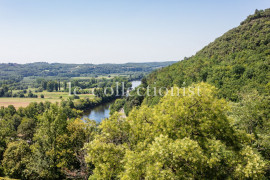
(236, 62)
(43, 69)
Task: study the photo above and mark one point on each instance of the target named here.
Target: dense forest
(236, 63)
(222, 132)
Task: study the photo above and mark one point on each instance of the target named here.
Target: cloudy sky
(114, 31)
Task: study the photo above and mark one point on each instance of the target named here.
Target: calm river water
(102, 111)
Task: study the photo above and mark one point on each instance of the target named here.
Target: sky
(114, 31)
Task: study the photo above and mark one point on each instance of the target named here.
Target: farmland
(48, 96)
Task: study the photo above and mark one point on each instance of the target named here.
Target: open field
(23, 102)
(48, 96)
(7, 178)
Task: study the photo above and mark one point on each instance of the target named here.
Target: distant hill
(43, 69)
(236, 62)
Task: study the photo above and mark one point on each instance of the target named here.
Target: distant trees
(44, 84)
(16, 72)
(5, 91)
(31, 95)
(50, 87)
(65, 85)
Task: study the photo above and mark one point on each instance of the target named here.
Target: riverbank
(102, 111)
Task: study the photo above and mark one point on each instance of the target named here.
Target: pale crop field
(48, 96)
(23, 102)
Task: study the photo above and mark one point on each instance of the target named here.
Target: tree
(252, 116)
(65, 85)
(117, 105)
(56, 85)
(72, 154)
(10, 110)
(44, 84)
(7, 133)
(26, 129)
(15, 159)
(59, 85)
(44, 163)
(50, 86)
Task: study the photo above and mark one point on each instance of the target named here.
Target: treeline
(52, 85)
(6, 86)
(5, 91)
(42, 69)
(82, 84)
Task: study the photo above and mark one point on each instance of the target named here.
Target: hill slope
(235, 62)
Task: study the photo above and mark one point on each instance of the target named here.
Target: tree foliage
(187, 136)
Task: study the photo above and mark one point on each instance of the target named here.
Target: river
(102, 111)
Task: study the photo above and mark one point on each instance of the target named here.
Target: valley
(215, 125)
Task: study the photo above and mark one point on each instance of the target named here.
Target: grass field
(48, 96)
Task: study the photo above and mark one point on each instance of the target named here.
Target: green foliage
(26, 129)
(252, 116)
(15, 72)
(107, 165)
(186, 136)
(15, 159)
(72, 155)
(51, 125)
(117, 105)
(234, 62)
(49, 145)
(193, 135)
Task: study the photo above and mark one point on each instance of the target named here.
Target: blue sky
(114, 31)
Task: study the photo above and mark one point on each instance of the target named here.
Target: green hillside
(221, 133)
(236, 62)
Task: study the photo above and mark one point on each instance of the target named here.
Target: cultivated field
(48, 96)
(23, 102)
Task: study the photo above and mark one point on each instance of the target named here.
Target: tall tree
(44, 163)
